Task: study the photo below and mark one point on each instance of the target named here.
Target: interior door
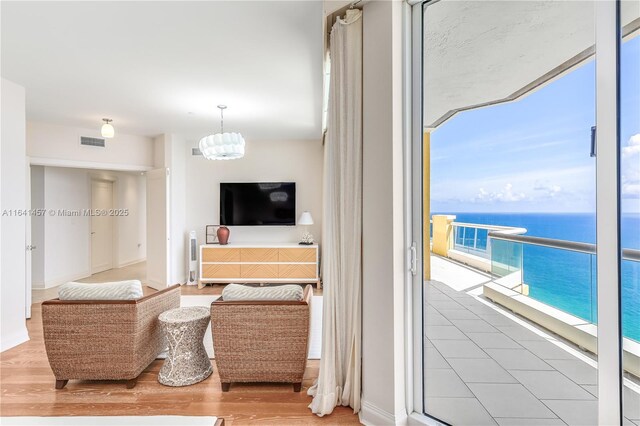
(101, 226)
(158, 241)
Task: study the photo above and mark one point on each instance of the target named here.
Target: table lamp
(305, 219)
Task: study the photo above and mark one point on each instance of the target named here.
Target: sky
(533, 154)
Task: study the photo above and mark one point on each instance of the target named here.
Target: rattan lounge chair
(105, 339)
(261, 341)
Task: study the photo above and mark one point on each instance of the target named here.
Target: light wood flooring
(27, 389)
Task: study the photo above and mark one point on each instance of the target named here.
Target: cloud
(630, 168)
(633, 146)
(631, 190)
(505, 195)
(548, 190)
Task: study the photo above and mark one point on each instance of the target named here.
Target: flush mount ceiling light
(222, 146)
(107, 130)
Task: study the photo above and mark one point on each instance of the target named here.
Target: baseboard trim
(37, 285)
(14, 339)
(58, 281)
(373, 415)
(131, 262)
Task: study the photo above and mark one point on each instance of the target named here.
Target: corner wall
(13, 196)
(64, 247)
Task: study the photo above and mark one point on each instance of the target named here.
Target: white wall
(178, 215)
(13, 195)
(37, 227)
(130, 192)
(67, 251)
(170, 153)
(49, 144)
(264, 161)
(383, 351)
(67, 243)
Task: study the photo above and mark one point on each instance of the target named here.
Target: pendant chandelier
(222, 146)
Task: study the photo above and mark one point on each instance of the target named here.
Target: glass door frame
(607, 48)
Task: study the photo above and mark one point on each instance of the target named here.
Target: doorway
(101, 226)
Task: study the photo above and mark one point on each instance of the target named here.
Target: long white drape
(339, 379)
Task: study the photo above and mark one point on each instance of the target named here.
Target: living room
(98, 116)
(219, 212)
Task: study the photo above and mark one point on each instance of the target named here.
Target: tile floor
(483, 367)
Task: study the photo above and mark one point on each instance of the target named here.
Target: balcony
(502, 348)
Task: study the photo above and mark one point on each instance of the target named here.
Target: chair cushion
(119, 290)
(233, 292)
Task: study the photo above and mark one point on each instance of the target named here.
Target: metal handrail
(489, 227)
(627, 254)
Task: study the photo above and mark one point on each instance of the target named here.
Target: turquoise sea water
(564, 279)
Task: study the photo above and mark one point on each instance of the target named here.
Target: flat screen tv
(258, 204)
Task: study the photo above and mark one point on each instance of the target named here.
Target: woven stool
(187, 362)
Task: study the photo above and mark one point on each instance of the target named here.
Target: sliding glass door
(629, 160)
(526, 172)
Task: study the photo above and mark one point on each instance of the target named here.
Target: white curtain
(339, 380)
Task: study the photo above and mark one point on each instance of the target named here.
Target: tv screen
(258, 204)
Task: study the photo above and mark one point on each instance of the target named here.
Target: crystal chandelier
(222, 146)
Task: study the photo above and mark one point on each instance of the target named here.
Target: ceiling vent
(196, 151)
(85, 140)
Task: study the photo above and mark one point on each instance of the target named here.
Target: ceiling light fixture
(222, 146)
(107, 130)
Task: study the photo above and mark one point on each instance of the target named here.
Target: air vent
(196, 151)
(85, 140)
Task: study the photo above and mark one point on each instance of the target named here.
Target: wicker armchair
(105, 339)
(261, 341)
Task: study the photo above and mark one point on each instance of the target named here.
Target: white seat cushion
(119, 290)
(233, 292)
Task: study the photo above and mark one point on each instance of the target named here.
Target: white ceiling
(162, 67)
(481, 52)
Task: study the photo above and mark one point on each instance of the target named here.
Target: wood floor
(27, 389)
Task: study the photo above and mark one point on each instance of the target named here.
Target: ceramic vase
(223, 235)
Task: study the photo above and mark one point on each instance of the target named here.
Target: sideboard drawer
(220, 254)
(297, 271)
(297, 255)
(220, 271)
(265, 271)
(258, 254)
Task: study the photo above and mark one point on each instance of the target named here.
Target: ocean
(564, 279)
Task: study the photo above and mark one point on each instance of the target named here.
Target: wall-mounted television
(258, 204)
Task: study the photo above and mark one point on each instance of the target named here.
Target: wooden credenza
(259, 263)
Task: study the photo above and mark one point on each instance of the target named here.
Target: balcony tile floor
(484, 366)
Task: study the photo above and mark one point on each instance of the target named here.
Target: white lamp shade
(305, 219)
(222, 146)
(107, 130)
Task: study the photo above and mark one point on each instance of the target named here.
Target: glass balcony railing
(558, 273)
(473, 238)
(561, 274)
